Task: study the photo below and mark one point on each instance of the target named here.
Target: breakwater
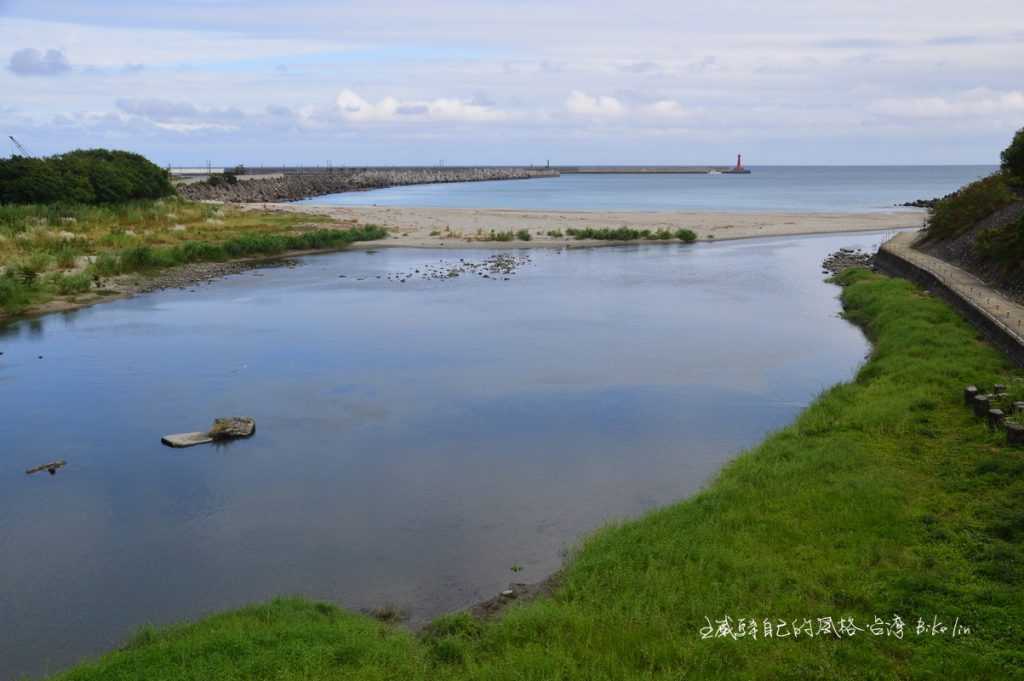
(296, 186)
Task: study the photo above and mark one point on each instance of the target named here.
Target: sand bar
(460, 227)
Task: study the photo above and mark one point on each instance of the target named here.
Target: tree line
(84, 176)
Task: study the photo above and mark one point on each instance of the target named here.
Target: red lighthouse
(739, 163)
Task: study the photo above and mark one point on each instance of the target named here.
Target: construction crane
(23, 150)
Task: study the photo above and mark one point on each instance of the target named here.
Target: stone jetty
(296, 186)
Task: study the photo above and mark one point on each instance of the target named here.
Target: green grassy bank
(50, 251)
(886, 497)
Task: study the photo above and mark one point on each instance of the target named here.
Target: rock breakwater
(296, 186)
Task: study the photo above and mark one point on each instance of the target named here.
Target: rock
(222, 429)
(186, 439)
(300, 185)
(235, 426)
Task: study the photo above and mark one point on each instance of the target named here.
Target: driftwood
(222, 429)
(51, 467)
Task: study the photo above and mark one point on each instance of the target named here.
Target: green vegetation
(627, 234)
(500, 236)
(62, 250)
(960, 211)
(523, 235)
(1004, 246)
(886, 497)
(93, 176)
(220, 179)
(555, 233)
(1013, 157)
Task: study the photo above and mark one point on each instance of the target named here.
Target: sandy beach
(465, 227)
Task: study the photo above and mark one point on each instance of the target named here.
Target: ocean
(816, 189)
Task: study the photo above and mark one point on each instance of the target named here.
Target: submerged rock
(223, 429)
(186, 439)
(235, 426)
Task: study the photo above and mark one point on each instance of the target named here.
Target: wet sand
(467, 227)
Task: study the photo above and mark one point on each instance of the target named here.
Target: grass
(1004, 247)
(961, 210)
(42, 246)
(628, 234)
(885, 497)
(500, 236)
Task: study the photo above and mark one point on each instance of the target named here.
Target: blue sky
(525, 81)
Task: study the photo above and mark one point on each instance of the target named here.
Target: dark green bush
(1005, 247)
(628, 234)
(90, 176)
(961, 210)
(1013, 156)
(523, 235)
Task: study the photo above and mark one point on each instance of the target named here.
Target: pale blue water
(770, 188)
(414, 440)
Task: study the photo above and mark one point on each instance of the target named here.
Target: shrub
(501, 236)
(1005, 247)
(91, 176)
(145, 258)
(15, 293)
(628, 234)
(523, 235)
(686, 235)
(959, 211)
(65, 253)
(67, 284)
(1013, 156)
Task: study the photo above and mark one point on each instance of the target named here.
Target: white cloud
(976, 102)
(582, 104)
(355, 108)
(196, 127)
(667, 108)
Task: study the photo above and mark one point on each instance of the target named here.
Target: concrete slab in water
(186, 439)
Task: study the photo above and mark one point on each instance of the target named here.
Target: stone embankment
(292, 187)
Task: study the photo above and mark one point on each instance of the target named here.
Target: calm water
(772, 188)
(414, 440)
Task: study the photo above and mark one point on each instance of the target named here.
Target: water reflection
(413, 440)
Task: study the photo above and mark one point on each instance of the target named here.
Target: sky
(516, 82)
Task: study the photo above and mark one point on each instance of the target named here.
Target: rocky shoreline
(845, 258)
(297, 186)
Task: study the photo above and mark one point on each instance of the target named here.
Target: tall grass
(629, 234)
(886, 497)
(22, 284)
